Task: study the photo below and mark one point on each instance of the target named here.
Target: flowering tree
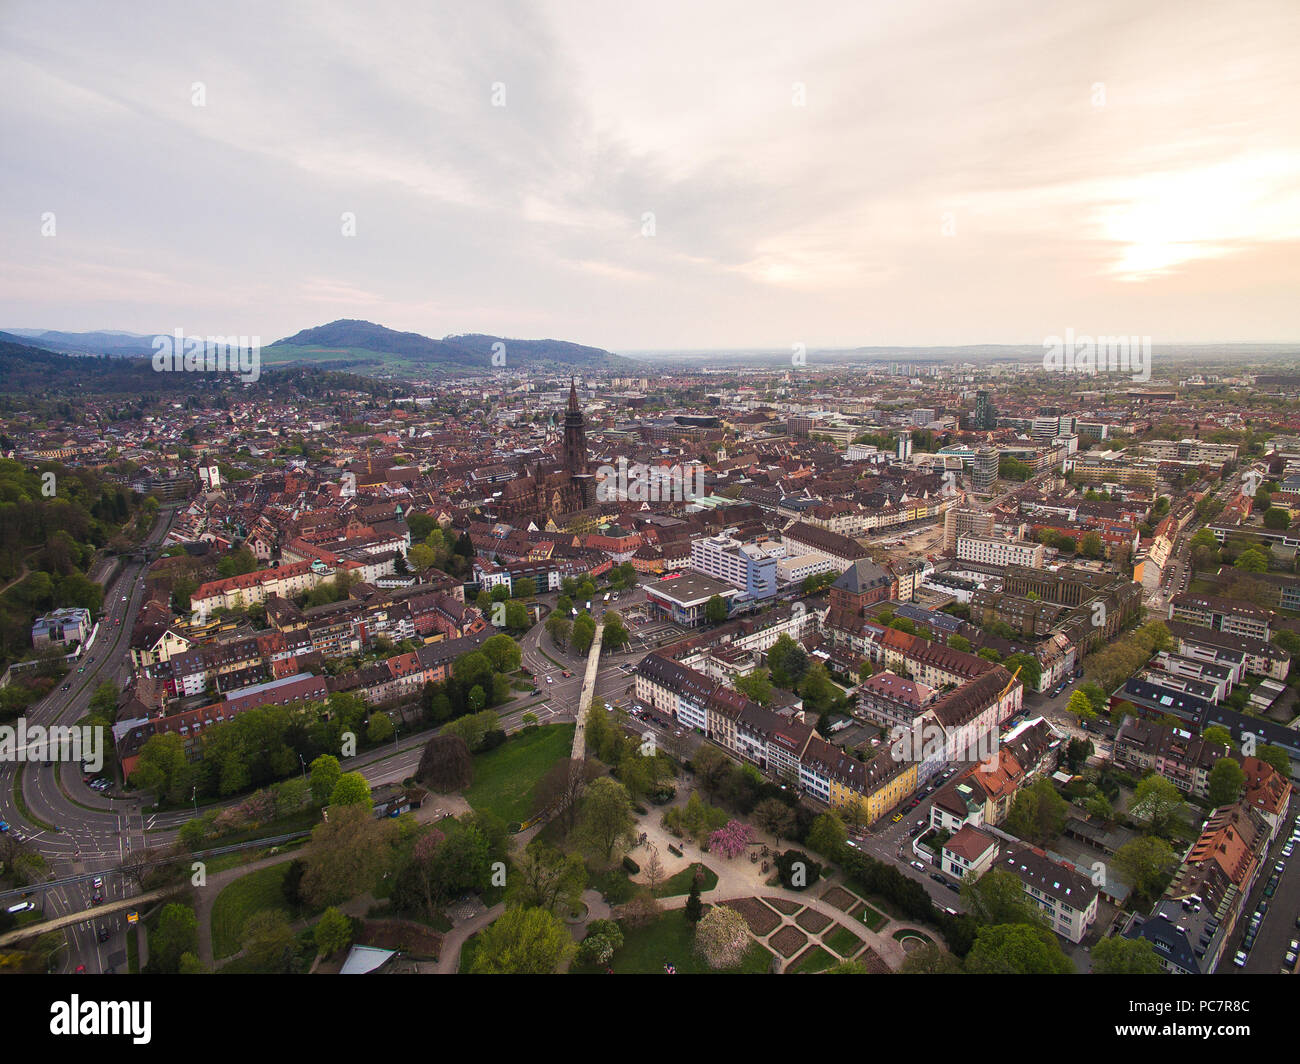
(722, 937)
(731, 839)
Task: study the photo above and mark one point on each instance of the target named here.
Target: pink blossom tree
(731, 839)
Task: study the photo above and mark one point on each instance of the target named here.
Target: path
(584, 699)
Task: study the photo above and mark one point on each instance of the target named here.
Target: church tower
(575, 445)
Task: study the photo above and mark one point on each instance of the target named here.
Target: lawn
(871, 918)
(504, 778)
(681, 882)
(843, 941)
(256, 892)
(670, 938)
(812, 960)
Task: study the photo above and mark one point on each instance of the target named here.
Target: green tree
(558, 627)
(352, 789)
(583, 633)
(269, 942)
(1146, 862)
(1038, 813)
(177, 932)
(1081, 706)
(1118, 955)
(333, 932)
(502, 652)
(998, 897)
(1156, 801)
(325, 773)
(381, 728)
(1017, 949)
(715, 610)
(605, 818)
(1226, 781)
(522, 942)
(827, 835)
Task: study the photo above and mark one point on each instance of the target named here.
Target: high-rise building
(904, 452)
(985, 471)
(986, 417)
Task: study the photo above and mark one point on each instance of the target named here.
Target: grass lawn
(504, 778)
(681, 882)
(843, 941)
(871, 918)
(256, 892)
(812, 960)
(671, 938)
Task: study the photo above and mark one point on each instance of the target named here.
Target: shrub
(631, 866)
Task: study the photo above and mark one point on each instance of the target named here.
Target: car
(4, 825)
(550, 679)
(952, 887)
(565, 673)
(1239, 960)
(1279, 867)
(913, 832)
(82, 669)
(1290, 958)
(98, 883)
(918, 866)
(66, 686)
(899, 816)
(937, 878)
(81, 969)
(104, 934)
(921, 822)
(1262, 909)
(1271, 887)
(1288, 849)
(97, 898)
(90, 659)
(1248, 939)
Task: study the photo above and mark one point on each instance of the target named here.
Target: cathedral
(555, 496)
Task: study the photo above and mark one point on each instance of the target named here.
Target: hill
(364, 343)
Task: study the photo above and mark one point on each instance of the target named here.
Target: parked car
(899, 816)
(918, 866)
(1239, 960)
(937, 878)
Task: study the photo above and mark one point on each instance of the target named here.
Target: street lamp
(304, 766)
(194, 796)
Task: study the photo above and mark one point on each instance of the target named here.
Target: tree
(715, 610)
(756, 686)
(560, 791)
(1146, 862)
(694, 907)
(604, 938)
(542, 877)
(1217, 735)
(1017, 949)
(473, 728)
(997, 897)
(1118, 955)
(522, 942)
(615, 635)
(1252, 561)
(446, 765)
(558, 627)
(711, 767)
(732, 839)
(1031, 669)
(381, 728)
(352, 789)
(1090, 546)
(1226, 781)
(325, 773)
(1275, 756)
(177, 933)
(930, 960)
(827, 835)
(346, 855)
(774, 817)
(1157, 801)
(722, 937)
(1081, 706)
(583, 633)
(1038, 813)
(605, 820)
(816, 686)
(524, 587)
(333, 932)
(959, 642)
(1277, 519)
(269, 942)
(164, 768)
(787, 662)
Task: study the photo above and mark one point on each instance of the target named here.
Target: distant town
(598, 665)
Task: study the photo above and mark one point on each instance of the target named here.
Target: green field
(671, 939)
(681, 882)
(504, 778)
(812, 960)
(843, 941)
(253, 893)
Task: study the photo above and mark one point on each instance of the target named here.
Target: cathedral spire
(573, 396)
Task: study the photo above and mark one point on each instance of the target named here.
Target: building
(986, 415)
(62, 628)
(1066, 896)
(969, 853)
(965, 520)
(995, 551)
(984, 472)
(682, 599)
(1234, 617)
(751, 567)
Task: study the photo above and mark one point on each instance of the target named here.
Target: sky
(655, 177)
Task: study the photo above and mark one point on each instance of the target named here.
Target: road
(76, 828)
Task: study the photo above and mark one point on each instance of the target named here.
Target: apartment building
(1234, 617)
(965, 520)
(1066, 896)
(991, 550)
(751, 567)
